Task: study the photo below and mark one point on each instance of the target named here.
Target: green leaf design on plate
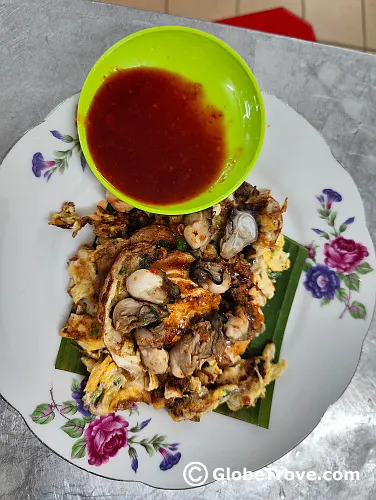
(332, 219)
(325, 301)
(74, 427)
(68, 138)
(88, 418)
(75, 385)
(79, 448)
(342, 228)
(364, 268)
(324, 213)
(135, 428)
(358, 310)
(352, 281)
(342, 294)
(68, 408)
(148, 447)
(157, 441)
(152, 445)
(60, 154)
(43, 414)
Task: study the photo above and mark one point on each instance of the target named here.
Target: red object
(276, 21)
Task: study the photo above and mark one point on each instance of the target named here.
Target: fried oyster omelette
(165, 306)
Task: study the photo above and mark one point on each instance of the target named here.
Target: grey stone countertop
(47, 48)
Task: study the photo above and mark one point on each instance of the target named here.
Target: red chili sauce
(153, 136)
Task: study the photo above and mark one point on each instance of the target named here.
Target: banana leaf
(276, 313)
(69, 357)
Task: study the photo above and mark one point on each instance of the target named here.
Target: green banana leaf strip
(276, 314)
(69, 357)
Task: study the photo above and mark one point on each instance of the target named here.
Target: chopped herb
(95, 395)
(163, 243)
(216, 246)
(181, 244)
(123, 270)
(117, 381)
(144, 261)
(275, 275)
(94, 332)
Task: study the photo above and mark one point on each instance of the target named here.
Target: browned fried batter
(106, 223)
(85, 330)
(67, 218)
(195, 306)
(168, 326)
(194, 406)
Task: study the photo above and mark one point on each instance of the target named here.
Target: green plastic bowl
(228, 83)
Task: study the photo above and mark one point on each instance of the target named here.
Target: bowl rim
(168, 209)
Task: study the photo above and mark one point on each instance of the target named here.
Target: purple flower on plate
(47, 175)
(78, 395)
(105, 436)
(39, 164)
(83, 161)
(173, 446)
(169, 459)
(320, 198)
(331, 197)
(349, 221)
(57, 134)
(144, 423)
(322, 282)
(134, 463)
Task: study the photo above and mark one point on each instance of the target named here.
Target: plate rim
(372, 313)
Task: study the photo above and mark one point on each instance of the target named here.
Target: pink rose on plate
(105, 436)
(344, 255)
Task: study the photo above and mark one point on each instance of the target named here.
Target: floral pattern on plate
(344, 261)
(61, 159)
(100, 438)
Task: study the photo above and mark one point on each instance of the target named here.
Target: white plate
(322, 342)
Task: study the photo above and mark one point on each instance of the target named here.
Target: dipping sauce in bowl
(153, 135)
(171, 120)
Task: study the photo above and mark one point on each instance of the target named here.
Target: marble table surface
(46, 49)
